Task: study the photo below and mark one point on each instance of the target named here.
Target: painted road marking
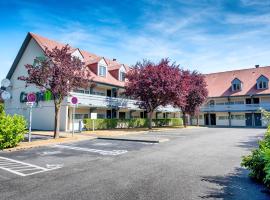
(102, 152)
(48, 153)
(102, 144)
(22, 168)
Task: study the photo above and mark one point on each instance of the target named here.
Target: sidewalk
(126, 131)
(64, 138)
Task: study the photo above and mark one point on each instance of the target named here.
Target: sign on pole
(74, 101)
(93, 117)
(31, 99)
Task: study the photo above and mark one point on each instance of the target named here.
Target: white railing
(235, 107)
(91, 100)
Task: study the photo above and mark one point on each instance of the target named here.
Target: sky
(204, 35)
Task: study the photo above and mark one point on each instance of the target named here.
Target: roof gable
(236, 81)
(262, 78)
(88, 58)
(219, 84)
(77, 53)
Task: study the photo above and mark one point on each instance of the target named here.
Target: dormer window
(262, 82)
(122, 76)
(236, 85)
(102, 71)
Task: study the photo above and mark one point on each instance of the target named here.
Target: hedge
(258, 162)
(12, 130)
(129, 123)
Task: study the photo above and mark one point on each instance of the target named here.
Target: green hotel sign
(40, 96)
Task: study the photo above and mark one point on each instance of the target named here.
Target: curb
(135, 140)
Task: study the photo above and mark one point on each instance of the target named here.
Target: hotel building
(105, 99)
(236, 97)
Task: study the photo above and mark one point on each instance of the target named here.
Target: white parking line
(102, 152)
(21, 168)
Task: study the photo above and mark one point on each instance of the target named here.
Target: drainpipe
(230, 120)
(253, 119)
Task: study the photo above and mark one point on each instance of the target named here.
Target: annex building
(236, 97)
(105, 100)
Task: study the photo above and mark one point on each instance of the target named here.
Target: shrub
(259, 161)
(12, 130)
(129, 123)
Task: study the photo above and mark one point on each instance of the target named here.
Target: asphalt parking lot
(199, 163)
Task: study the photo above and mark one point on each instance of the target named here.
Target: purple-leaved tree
(195, 96)
(153, 85)
(58, 72)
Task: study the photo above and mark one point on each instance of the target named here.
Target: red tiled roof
(89, 58)
(219, 84)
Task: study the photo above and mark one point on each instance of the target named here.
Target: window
(256, 100)
(102, 71)
(101, 116)
(79, 91)
(223, 117)
(262, 85)
(81, 116)
(211, 102)
(238, 117)
(236, 84)
(248, 101)
(239, 102)
(122, 76)
(220, 103)
(262, 82)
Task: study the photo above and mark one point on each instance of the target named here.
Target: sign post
(74, 101)
(93, 117)
(31, 98)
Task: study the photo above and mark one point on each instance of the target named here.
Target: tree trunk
(184, 120)
(197, 120)
(56, 120)
(150, 116)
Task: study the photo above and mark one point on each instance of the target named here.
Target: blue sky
(207, 35)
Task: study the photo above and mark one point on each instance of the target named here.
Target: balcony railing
(91, 100)
(235, 107)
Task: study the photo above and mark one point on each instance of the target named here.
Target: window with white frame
(262, 82)
(102, 70)
(122, 76)
(236, 85)
(223, 117)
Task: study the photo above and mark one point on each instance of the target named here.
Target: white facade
(103, 99)
(236, 112)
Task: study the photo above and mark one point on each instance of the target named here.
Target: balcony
(235, 107)
(98, 101)
(91, 100)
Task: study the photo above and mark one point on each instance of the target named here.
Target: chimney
(114, 59)
(257, 66)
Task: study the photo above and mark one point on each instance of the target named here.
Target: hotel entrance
(253, 119)
(210, 119)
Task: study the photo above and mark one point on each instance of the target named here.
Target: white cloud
(255, 2)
